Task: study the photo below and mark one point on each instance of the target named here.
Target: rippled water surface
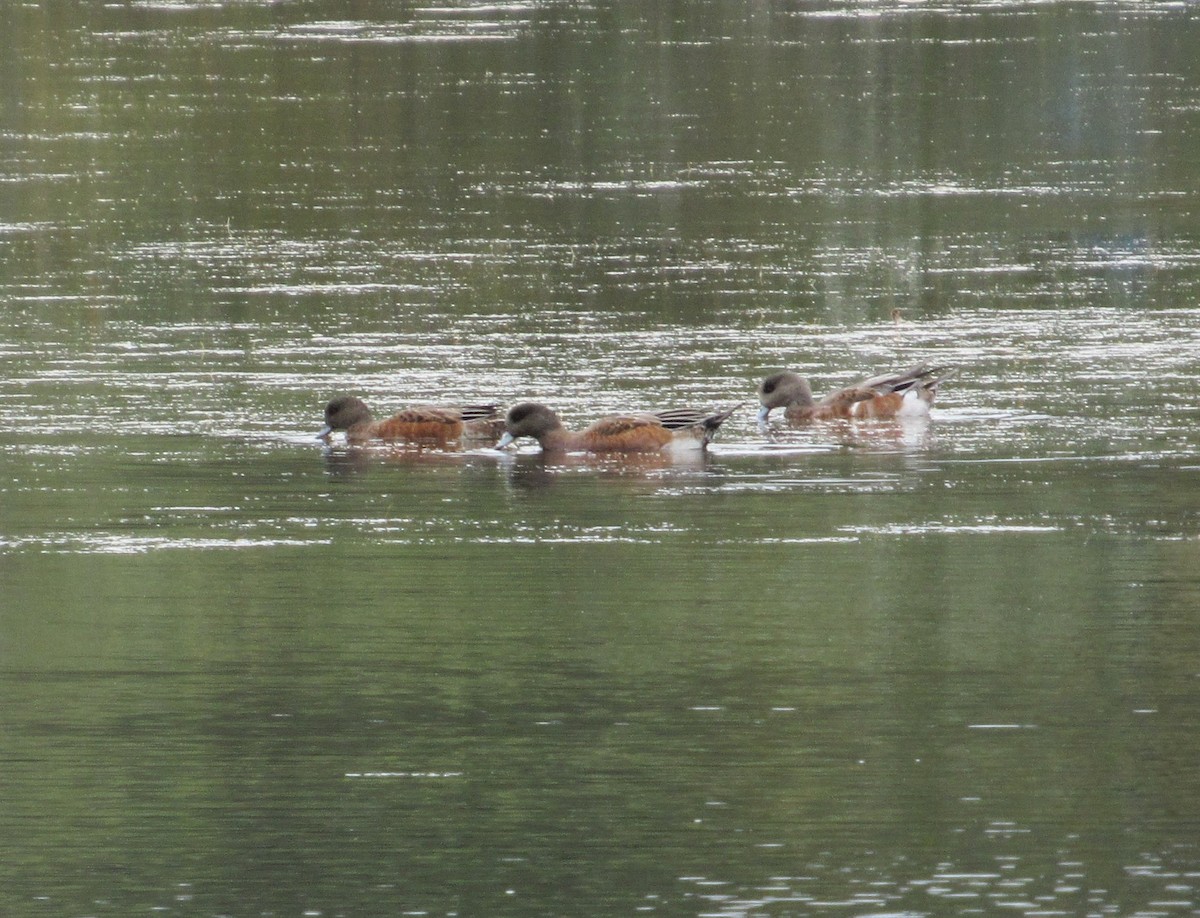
(945, 667)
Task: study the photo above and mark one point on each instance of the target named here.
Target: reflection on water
(1004, 881)
(873, 668)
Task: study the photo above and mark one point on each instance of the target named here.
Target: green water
(935, 669)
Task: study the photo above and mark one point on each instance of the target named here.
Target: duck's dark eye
(768, 387)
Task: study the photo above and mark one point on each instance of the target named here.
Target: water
(875, 669)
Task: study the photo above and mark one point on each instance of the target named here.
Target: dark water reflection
(903, 680)
(875, 669)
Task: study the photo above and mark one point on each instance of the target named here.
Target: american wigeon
(891, 395)
(422, 424)
(648, 432)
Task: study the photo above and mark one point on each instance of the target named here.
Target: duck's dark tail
(717, 418)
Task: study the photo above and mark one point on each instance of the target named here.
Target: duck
(672, 430)
(422, 424)
(908, 393)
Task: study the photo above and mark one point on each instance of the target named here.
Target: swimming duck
(422, 424)
(641, 432)
(908, 393)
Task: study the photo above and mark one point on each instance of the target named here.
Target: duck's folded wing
(420, 423)
(678, 418)
(895, 382)
(427, 414)
(480, 412)
(921, 375)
